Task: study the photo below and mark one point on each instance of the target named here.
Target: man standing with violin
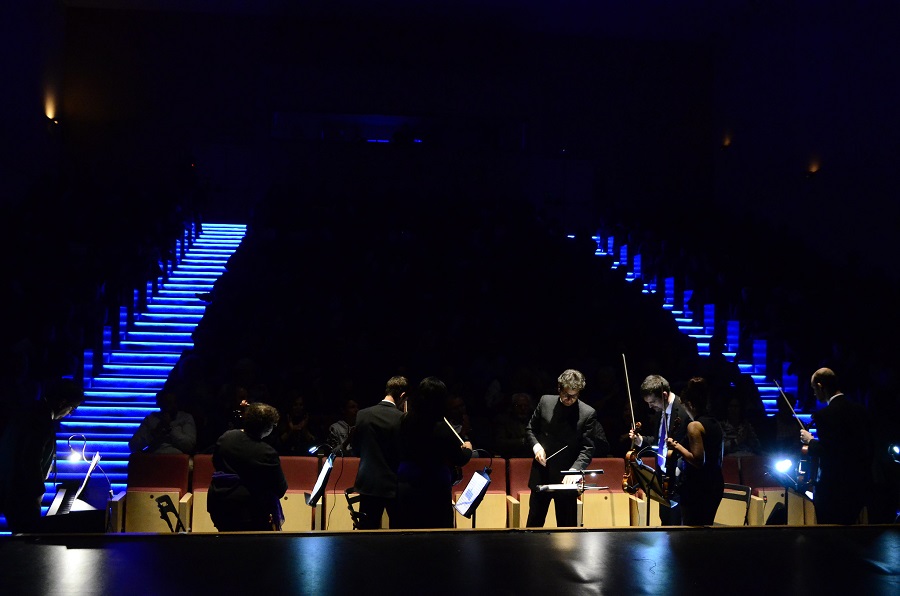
(672, 421)
(844, 452)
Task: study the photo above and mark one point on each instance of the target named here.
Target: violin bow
(628, 387)
(790, 405)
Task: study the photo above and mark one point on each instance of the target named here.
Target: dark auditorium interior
(292, 201)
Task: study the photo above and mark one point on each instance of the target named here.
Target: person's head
(259, 420)
(396, 389)
(824, 384)
(570, 384)
(655, 391)
(63, 397)
(428, 401)
(167, 402)
(695, 396)
(521, 406)
(456, 408)
(349, 411)
(297, 411)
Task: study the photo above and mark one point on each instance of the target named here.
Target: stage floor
(860, 560)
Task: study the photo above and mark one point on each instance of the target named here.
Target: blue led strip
(701, 326)
(125, 392)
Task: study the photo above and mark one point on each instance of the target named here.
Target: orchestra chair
(519, 495)
(607, 507)
(735, 506)
(151, 476)
(300, 473)
(200, 479)
(335, 516)
(492, 512)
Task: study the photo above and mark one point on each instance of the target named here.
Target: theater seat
(491, 513)
(731, 469)
(151, 477)
(300, 473)
(200, 478)
(519, 495)
(606, 507)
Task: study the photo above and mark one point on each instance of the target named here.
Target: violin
(629, 484)
(669, 478)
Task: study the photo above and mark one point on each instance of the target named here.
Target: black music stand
(471, 497)
(648, 481)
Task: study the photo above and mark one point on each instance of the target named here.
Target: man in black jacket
(844, 452)
(376, 438)
(563, 434)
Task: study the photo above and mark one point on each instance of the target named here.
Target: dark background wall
(592, 110)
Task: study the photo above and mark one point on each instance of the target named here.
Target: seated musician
(246, 488)
(563, 434)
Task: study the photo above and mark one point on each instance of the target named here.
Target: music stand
(648, 481)
(471, 497)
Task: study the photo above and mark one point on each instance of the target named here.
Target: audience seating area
(751, 495)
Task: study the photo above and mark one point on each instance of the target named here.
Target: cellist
(672, 419)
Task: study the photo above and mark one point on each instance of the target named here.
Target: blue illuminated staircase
(119, 398)
(701, 327)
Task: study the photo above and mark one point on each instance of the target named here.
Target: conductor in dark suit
(564, 435)
(844, 452)
(376, 438)
(670, 419)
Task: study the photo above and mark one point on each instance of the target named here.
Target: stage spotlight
(784, 466)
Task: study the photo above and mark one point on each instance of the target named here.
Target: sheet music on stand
(579, 486)
(68, 498)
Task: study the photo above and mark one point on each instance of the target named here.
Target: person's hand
(466, 445)
(636, 438)
(541, 457)
(805, 436)
(571, 479)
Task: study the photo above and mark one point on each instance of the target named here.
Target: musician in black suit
(670, 419)
(563, 434)
(376, 440)
(844, 452)
(248, 484)
(27, 446)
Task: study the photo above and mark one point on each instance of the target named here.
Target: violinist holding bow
(844, 451)
(671, 421)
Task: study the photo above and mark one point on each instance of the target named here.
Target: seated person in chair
(248, 483)
(168, 431)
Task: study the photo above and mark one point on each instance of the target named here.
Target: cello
(806, 471)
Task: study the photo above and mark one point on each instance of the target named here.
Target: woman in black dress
(701, 484)
(429, 452)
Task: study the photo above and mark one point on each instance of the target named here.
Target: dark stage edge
(858, 560)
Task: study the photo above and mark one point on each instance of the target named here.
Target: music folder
(471, 497)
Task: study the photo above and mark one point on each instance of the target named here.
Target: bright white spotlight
(784, 465)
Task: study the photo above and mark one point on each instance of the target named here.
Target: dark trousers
(566, 508)
(371, 510)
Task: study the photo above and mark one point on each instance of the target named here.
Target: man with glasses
(564, 435)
